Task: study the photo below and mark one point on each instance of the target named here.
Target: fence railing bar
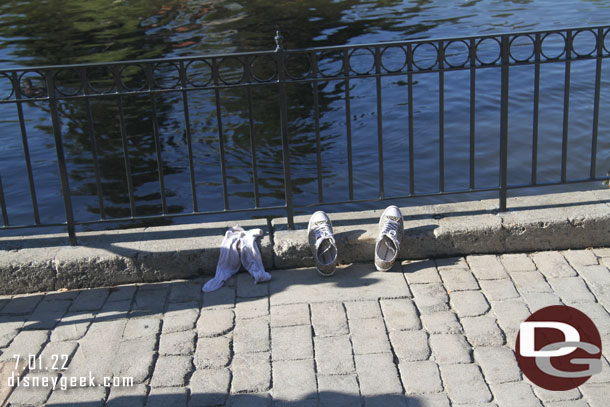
(158, 154)
(379, 121)
(348, 124)
(189, 138)
(125, 143)
(473, 77)
(26, 148)
(281, 69)
(566, 107)
(61, 159)
(504, 124)
(94, 157)
(410, 103)
(252, 147)
(3, 204)
(537, 51)
(221, 142)
(598, 75)
(441, 118)
(316, 108)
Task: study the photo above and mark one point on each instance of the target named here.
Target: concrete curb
(571, 220)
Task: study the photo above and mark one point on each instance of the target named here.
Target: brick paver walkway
(428, 333)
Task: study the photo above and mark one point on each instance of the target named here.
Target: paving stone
(25, 343)
(338, 391)
(246, 288)
(369, 336)
(171, 371)
(598, 315)
(530, 282)
(150, 299)
(121, 293)
(134, 358)
(215, 322)
(140, 327)
(571, 290)
(57, 355)
(328, 319)
(133, 396)
(450, 348)
(410, 345)
(464, 384)
(301, 403)
(72, 326)
(78, 396)
(362, 309)
(290, 315)
(498, 363)
(251, 308)
(167, 397)
(486, 267)
(251, 372)
(90, 300)
(251, 335)
(430, 297)
(22, 304)
(38, 391)
(209, 387)
(386, 400)
(554, 396)
(482, 331)
(294, 380)
(602, 251)
(184, 291)
(430, 400)
(212, 352)
(247, 400)
(517, 262)
(451, 263)
(598, 280)
(177, 343)
(444, 322)
(584, 257)
(291, 343)
(510, 314)
(222, 298)
(553, 265)
(595, 394)
(469, 303)
(536, 301)
(604, 375)
(458, 280)
(498, 290)
(400, 314)
(515, 394)
(9, 328)
(420, 272)
(571, 403)
(180, 317)
(420, 377)
(334, 355)
(377, 374)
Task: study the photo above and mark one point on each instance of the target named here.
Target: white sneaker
(390, 235)
(322, 243)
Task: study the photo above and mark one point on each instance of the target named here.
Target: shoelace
(390, 228)
(322, 231)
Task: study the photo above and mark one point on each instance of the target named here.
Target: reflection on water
(75, 31)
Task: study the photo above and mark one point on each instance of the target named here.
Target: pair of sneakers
(324, 248)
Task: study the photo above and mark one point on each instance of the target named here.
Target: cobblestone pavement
(428, 333)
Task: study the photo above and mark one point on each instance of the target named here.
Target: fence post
(504, 123)
(281, 76)
(61, 160)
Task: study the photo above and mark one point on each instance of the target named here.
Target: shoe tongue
(324, 245)
(389, 239)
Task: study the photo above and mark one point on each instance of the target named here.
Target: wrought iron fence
(278, 70)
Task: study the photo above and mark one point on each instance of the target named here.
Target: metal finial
(278, 40)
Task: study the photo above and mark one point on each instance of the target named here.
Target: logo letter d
(527, 338)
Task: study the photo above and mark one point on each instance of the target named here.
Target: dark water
(69, 31)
